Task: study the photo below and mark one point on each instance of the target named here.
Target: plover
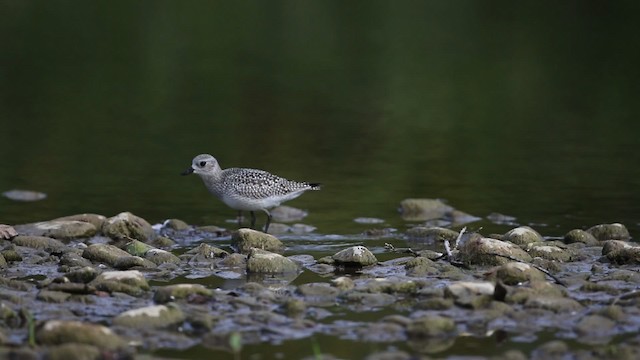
(246, 189)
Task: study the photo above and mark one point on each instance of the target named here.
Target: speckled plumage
(247, 189)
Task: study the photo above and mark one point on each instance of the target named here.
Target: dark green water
(524, 108)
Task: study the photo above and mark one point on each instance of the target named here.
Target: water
(523, 108)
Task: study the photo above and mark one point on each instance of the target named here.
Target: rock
(59, 229)
(614, 231)
(129, 262)
(580, 236)
(285, 213)
(522, 235)
(24, 195)
(163, 242)
(3, 262)
(514, 273)
(150, 317)
(627, 255)
(555, 349)
(74, 259)
(7, 232)
(39, 242)
(159, 257)
(595, 326)
(176, 224)
(52, 296)
(234, 260)
(73, 351)
(470, 294)
(180, 291)
(131, 282)
(486, 251)
(94, 219)
(319, 294)
(423, 209)
(430, 326)
(521, 294)
(369, 300)
(56, 332)
(137, 248)
(614, 245)
(343, 283)
(11, 255)
(128, 226)
(83, 275)
(246, 239)
(553, 303)
(103, 253)
(547, 252)
(355, 256)
(420, 266)
(206, 251)
(265, 262)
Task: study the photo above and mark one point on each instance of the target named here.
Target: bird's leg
(266, 227)
(239, 218)
(253, 219)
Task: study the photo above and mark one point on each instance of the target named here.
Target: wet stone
(421, 266)
(357, 256)
(156, 316)
(94, 219)
(104, 253)
(265, 262)
(39, 242)
(128, 226)
(129, 262)
(431, 326)
(286, 213)
(137, 248)
(176, 224)
(11, 255)
(470, 294)
(614, 231)
(159, 257)
(548, 252)
(83, 275)
(59, 229)
(522, 235)
(73, 351)
(580, 236)
(553, 303)
(131, 282)
(74, 259)
(513, 273)
(614, 245)
(52, 296)
(486, 251)
(180, 291)
(246, 239)
(434, 237)
(56, 332)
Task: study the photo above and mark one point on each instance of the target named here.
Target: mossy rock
(615, 231)
(246, 239)
(56, 332)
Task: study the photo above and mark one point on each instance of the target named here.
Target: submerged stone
(423, 209)
(431, 326)
(180, 291)
(284, 213)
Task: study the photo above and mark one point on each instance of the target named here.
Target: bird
(246, 189)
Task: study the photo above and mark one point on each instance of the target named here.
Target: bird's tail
(314, 186)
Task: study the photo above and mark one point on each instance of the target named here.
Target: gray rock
(513, 273)
(176, 224)
(74, 259)
(423, 209)
(159, 257)
(614, 245)
(95, 219)
(56, 332)
(128, 226)
(580, 236)
(83, 275)
(357, 256)
(265, 262)
(470, 294)
(59, 229)
(3, 262)
(39, 242)
(129, 262)
(627, 255)
(234, 260)
(486, 251)
(52, 296)
(246, 239)
(614, 231)
(553, 303)
(131, 282)
(150, 317)
(522, 235)
(548, 252)
(319, 294)
(103, 253)
(420, 266)
(170, 293)
(595, 326)
(73, 351)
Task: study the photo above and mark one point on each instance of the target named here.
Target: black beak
(187, 172)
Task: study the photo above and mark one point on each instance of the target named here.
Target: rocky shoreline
(91, 287)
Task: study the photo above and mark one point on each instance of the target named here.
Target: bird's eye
(203, 163)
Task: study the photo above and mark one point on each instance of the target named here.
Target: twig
(390, 247)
